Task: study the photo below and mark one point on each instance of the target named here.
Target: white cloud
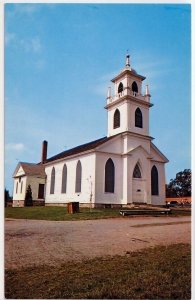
(36, 44)
(25, 8)
(15, 146)
(9, 38)
(32, 44)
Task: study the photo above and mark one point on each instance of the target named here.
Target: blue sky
(60, 58)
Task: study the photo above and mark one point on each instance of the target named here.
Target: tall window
(109, 176)
(116, 118)
(64, 178)
(120, 88)
(16, 187)
(138, 118)
(154, 181)
(134, 87)
(137, 172)
(21, 187)
(52, 186)
(78, 177)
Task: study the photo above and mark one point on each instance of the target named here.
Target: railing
(127, 92)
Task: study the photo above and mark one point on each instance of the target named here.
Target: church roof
(79, 149)
(164, 158)
(86, 147)
(31, 169)
(130, 72)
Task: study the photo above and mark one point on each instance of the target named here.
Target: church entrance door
(138, 190)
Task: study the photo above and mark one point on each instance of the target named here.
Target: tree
(7, 197)
(28, 196)
(180, 186)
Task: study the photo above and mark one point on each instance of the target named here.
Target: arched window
(154, 181)
(137, 172)
(52, 185)
(109, 176)
(16, 187)
(138, 118)
(78, 177)
(116, 118)
(120, 88)
(64, 179)
(21, 187)
(134, 87)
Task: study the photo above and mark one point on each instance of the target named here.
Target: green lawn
(57, 213)
(154, 273)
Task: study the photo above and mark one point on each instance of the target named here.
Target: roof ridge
(60, 155)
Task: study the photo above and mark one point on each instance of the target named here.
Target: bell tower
(128, 108)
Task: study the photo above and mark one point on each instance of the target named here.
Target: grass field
(155, 273)
(57, 213)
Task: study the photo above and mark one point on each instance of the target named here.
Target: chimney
(44, 152)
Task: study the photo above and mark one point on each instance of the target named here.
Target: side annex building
(121, 168)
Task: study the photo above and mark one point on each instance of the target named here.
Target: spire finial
(127, 59)
(147, 93)
(109, 93)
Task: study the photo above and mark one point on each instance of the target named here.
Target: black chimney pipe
(44, 152)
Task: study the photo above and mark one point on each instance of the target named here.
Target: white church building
(121, 168)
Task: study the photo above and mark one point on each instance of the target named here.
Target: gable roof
(88, 146)
(31, 169)
(79, 149)
(130, 71)
(141, 148)
(163, 157)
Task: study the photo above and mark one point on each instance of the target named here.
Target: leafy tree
(180, 186)
(28, 196)
(7, 197)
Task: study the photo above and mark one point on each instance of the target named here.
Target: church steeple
(129, 101)
(127, 60)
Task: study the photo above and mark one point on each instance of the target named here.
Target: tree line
(180, 186)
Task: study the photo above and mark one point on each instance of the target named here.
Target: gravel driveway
(32, 242)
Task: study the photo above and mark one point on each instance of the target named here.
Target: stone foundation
(38, 202)
(88, 205)
(18, 203)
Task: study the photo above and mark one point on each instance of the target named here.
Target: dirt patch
(31, 243)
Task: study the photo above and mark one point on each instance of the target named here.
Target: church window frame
(64, 179)
(16, 187)
(109, 176)
(137, 172)
(134, 87)
(154, 181)
(116, 120)
(78, 181)
(21, 187)
(52, 183)
(138, 118)
(120, 88)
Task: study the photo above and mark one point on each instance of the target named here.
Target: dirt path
(29, 242)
